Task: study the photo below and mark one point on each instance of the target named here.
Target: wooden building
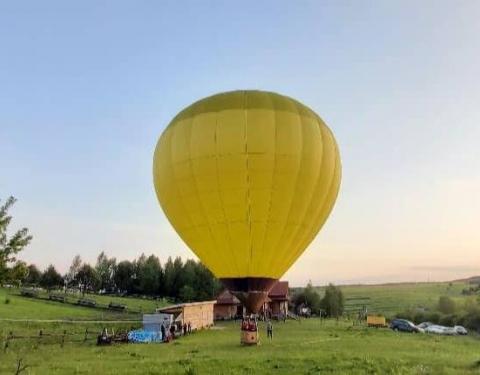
(228, 306)
(198, 314)
(277, 303)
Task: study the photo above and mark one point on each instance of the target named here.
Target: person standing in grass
(270, 330)
(164, 336)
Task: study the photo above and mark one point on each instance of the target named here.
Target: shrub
(472, 321)
(407, 314)
(433, 317)
(419, 317)
(448, 320)
(7, 300)
(446, 305)
(471, 306)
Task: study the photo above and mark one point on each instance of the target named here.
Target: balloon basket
(249, 337)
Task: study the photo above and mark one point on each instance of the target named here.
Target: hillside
(389, 299)
(19, 307)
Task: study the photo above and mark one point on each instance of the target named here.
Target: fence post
(9, 337)
(86, 335)
(63, 337)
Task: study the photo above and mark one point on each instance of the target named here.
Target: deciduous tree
(10, 246)
(333, 302)
(105, 269)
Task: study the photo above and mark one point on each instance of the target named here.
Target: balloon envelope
(247, 179)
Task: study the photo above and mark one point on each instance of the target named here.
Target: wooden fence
(79, 301)
(53, 338)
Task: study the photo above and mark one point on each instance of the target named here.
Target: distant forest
(176, 280)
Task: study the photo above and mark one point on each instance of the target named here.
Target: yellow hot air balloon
(247, 179)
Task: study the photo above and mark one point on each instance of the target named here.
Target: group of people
(168, 335)
(250, 324)
(187, 328)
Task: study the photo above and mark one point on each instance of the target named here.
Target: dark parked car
(404, 326)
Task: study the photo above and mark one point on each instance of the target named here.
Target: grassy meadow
(31, 308)
(388, 299)
(311, 346)
(308, 347)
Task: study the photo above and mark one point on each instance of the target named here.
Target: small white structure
(153, 322)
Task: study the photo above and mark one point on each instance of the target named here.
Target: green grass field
(312, 346)
(31, 308)
(309, 347)
(389, 299)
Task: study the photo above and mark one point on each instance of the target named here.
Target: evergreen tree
(206, 285)
(138, 265)
(51, 279)
(123, 277)
(187, 293)
(178, 279)
(149, 276)
(34, 275)
(169, 277)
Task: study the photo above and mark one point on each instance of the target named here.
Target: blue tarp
(141, 335)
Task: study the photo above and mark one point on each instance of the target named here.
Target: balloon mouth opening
(251, 291)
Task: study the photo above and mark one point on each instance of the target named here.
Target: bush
(407, 314)
(433, 317)
(7, 300)
(472, 321)
(448, 320)
(446, 305)
(420, 317)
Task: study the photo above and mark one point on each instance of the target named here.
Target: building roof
(279, 291)
(180, 306)
(227, 298)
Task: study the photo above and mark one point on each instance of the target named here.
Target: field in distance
(389, 299)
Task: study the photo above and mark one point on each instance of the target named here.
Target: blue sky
(87, 88)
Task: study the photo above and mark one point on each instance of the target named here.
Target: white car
(434, 328)
(424, 325)
(460, 330)
(447, 331)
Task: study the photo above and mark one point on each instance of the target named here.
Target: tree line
(331, 304)
(180, 281)
(177, 280)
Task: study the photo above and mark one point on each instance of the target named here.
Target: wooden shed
(227, 307)
(198, 314)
